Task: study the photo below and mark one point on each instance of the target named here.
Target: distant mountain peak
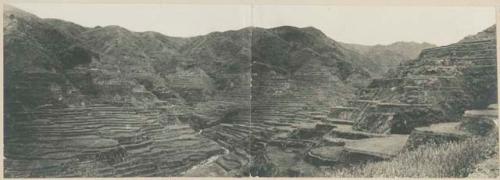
(290, 29)
(411, 43)
(114, 29)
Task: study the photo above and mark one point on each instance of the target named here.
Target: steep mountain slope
(135, 91)
(438, 86)
(290, 53)
(36, 55)
(296, 72)
(105, 101)
(390, 56)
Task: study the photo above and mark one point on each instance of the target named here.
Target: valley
(284, 101)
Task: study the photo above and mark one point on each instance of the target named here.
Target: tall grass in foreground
(454, 159)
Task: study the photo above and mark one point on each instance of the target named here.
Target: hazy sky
(353, 24)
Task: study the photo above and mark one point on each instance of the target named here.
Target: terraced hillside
(436, 87)
(101, 140)
(67, 82)
(106, 101)
(422, 101)
(391, 55)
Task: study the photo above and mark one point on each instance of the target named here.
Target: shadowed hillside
(436, 87)
(110, 102)
(58, 71)
(390, 56)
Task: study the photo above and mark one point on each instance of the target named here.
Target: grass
(454, 159)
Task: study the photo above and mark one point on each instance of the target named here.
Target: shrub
(263, 170)
(453, 159)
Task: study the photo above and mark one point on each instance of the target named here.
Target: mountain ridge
(391, 55)
(146, 104)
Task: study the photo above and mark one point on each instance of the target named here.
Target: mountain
(487, 34)
(390, 56)
(293, 56)
(144, 95)
(436, 87)
(107, 101)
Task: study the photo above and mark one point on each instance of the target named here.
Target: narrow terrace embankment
(101, 140)
(436, 87)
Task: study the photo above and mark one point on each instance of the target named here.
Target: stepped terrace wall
(101, 141)
(436, 87)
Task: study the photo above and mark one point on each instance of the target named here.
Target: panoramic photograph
(262, 90)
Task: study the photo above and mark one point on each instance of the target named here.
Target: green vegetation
(454, 159)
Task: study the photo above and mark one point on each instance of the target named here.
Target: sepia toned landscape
(285, 101)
